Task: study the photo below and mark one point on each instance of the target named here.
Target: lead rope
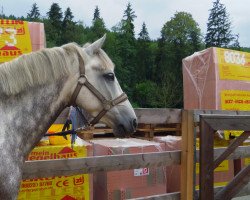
(73, 132)
(82, 128)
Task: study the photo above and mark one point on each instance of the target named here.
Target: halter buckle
(82, 79)
(107, 105)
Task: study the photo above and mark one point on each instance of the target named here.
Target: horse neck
(29, 115)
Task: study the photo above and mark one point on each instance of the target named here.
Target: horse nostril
(134, 123)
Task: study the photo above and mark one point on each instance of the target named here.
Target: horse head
(99, 93)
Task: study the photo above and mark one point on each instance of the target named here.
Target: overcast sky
(155, 13)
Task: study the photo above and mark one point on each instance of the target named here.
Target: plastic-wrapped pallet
(217, 78)
(119, 185)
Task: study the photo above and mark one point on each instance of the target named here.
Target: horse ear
(95, 46)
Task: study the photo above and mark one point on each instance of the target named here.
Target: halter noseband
(83, 81)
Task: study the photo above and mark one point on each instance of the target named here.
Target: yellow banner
(14, 39)
(233, 65)
(58, 187)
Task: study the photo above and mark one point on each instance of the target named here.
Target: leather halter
(83, 81)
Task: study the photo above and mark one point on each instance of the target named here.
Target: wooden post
(237, 166)
(206, 161)
(148, 132)
(178, 131)
(151, 133)
(187, 156)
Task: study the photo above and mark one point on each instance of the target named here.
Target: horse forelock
(35, 69)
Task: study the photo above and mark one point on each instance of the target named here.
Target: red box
(37, 35)
(119, 185)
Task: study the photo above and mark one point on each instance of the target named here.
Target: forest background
(149, 71)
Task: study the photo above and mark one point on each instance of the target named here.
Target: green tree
(55, 15)
(34, 14)
(219, 31)
(127, 22)
(98, 28)
(146, 94)
(246, 49)
(169, 92)
(96, 14)
(143, 35)
(112, 48)
(184, 31)
(68, 27)
(236, 43)
(80, 33)
(127, 50)
(180, 37)
(53, 25)
(144, 56)
(68, 17)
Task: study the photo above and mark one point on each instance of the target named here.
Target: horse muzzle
(125, 128)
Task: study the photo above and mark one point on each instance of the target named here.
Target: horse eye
(109, 76)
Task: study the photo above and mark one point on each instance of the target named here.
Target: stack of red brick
(119, 185)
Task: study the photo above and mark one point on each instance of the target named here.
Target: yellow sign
(58, 187)
(233, 65)
(235, 100)
(14, 39)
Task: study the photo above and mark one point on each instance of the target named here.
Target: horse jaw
(95, 46)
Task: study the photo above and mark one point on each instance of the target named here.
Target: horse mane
(34, 69)
(42, 67)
